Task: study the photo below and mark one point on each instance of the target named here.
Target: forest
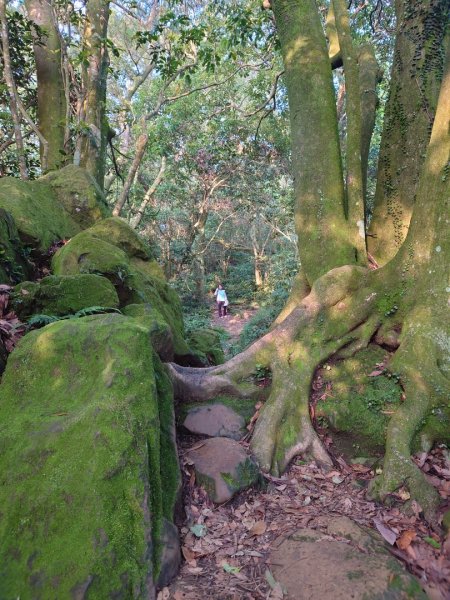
(297, 154)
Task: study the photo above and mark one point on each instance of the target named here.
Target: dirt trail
(234, 321)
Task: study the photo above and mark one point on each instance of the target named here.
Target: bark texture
(319, 193)
(415, 81)
(50, 89)
(94, 76)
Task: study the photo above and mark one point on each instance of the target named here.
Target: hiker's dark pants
(221, 308)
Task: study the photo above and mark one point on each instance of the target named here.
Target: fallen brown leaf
(404, 541)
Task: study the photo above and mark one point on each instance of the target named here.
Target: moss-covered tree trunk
(94, 76)
(50, 84)
(323, 233)
(415, 80)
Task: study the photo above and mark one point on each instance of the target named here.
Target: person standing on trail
(222, 300)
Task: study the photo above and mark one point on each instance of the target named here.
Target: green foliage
(261, 373)
(38, 321)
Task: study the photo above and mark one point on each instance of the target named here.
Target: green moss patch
(14, 266)
(87, 462)
(206, 344)
(56, 295)
(39, 217)
(360, 406)
(78, 193)
(137, 281)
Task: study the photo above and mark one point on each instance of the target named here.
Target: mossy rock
(244, 407)
(116, 231)
(360, 406)
(133, 277)
(85, 253)
(160, 332)
(39, 217)
(14, 266)
(55, 295)
(78, 192)
(88, 462)
(206, 344)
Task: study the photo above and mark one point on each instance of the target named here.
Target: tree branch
(148, 196)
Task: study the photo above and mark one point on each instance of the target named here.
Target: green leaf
(230, 569)
(432, 542)
(199, 530)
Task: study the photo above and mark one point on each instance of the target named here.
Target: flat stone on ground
(215, 420)
(222, 467)
(312, 565)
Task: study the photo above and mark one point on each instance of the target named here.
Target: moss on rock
(88, 466)
(14, 266)
(116, 231)
(206, 344)
(137, 281)
(85, 253)
(55, 295)
(39, 217)
(160, 332)
(78, 193)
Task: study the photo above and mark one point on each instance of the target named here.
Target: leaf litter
(231, 560)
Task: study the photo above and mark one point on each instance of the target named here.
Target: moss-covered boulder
(89, 476)
(116, 231)
(14, 266)
(39, 217)
(160, 332)
(56, 295)
(137, 280)
(78, 193)
(206, 344)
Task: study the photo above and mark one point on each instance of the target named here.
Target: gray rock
(223, 468)
(171, 556)
(215, 420)
(312, 565)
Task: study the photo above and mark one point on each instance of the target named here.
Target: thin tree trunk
(149, 195)
(354, 178)
(141, 146)
(369, 77)
(50, 84)
(94, 76)
(409, 114)
(12, 92)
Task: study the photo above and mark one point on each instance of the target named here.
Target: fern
(37, 321)
(94, 310)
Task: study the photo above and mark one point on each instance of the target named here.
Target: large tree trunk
(346, 309)
(323, 232)
(415, 80)
(94, 76)
(50, 89)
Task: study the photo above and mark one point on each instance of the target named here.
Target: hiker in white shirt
(222, 300)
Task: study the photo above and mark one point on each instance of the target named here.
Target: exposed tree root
(425, 387)
(339, 317)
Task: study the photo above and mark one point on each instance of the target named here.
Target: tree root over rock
(340, 316)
